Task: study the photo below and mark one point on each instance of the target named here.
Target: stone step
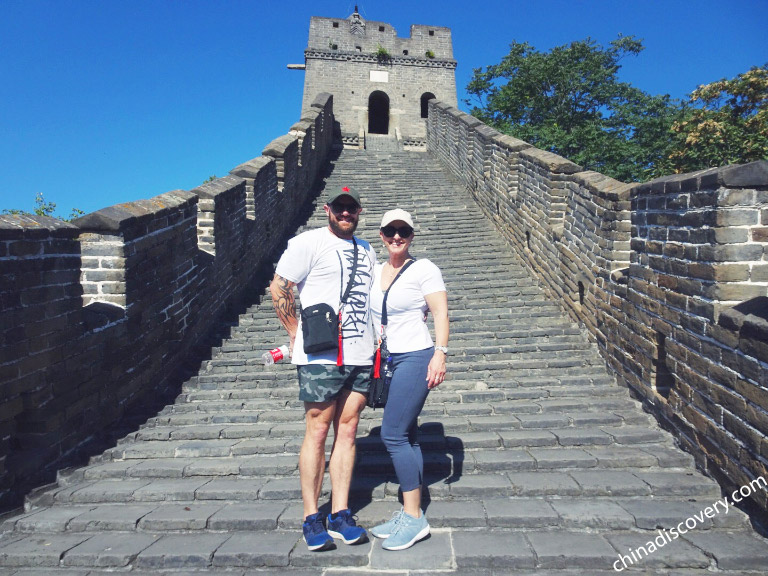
(622, 512)
(531, 400)
(579, 480)
(524, 450)
(447, 550)
(554, 446)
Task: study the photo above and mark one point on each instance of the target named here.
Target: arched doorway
(378, 113)
(425, 98)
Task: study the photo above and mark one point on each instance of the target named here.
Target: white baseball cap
(394, 215)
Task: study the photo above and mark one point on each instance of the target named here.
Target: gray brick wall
(668, 277)
(97, 316)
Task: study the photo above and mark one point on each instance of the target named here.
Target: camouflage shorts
(324, 382)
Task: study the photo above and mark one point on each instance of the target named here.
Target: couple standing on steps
(331, 266)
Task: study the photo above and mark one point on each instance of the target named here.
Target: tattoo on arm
(284, 302)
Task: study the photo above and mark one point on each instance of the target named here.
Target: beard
(346, 231)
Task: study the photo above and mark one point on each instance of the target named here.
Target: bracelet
(443, 349)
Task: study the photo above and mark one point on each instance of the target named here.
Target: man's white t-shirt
(407, 329)
(319, 263)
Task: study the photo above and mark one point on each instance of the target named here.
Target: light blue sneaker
(407, 531)
(385, 530)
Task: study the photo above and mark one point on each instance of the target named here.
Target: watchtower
(380, 83)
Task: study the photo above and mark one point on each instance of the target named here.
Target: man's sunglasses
(404, 231)
(340, 207)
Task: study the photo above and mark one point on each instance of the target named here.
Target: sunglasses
(340, 207)
(404, 231)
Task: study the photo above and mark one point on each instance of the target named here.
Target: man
(333, 383)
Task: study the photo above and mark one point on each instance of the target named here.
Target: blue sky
(107, 101)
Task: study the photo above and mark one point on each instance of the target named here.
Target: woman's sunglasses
(404, 231)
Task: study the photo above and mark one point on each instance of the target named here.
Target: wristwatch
(443, 349)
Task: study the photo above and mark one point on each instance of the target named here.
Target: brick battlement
(669, 278)
(99, 315)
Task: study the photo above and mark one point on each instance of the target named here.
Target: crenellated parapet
(98, 315)
(669, 278)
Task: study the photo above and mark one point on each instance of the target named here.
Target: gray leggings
(407, 395)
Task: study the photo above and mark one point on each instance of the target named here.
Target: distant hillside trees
(570, 101)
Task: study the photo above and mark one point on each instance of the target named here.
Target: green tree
(725, 122)
(45, 208)
(570, 101)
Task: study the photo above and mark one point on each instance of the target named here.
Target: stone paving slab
(180, 551)
(497, 550)
(451, 514)
(568, 550)
(520, 513)
(544, 484)
(357, 555)
(162, 489)
(255, 549)
(433, 553)
(105, 550)
(504, 460)
(654, 514)
(732, 551)
(191, 516)
(621, 457)
(610, 483)
(158, 468)
(38, 550)
(243, 516)
(676, 484)
(45, 519)
(111, 517)
(592, 514)
(558, 458)
(661, 552)
(230, 489)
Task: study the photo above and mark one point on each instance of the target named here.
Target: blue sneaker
(385, 530)
(344, 527)
(315, 535)
(407, 531)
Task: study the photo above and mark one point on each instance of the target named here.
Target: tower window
(431, 32)
(381, 28)
(335, 24)
(405, 52)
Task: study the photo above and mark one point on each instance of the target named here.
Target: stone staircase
(537, 461)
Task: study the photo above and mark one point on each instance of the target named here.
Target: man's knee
(347, 429)
(318, 422)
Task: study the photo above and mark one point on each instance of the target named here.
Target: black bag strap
(384, 303)
(351, 276)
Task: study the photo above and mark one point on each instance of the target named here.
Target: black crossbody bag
(378, 391)
(321, 326)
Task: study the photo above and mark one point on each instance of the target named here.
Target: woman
(418, 367)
